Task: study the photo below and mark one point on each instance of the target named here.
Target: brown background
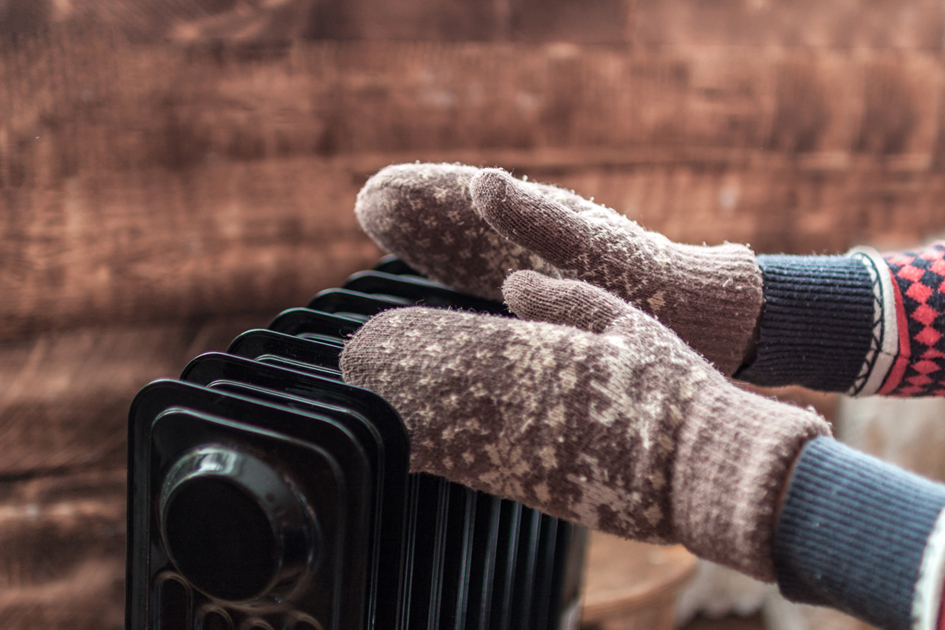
(172, 173)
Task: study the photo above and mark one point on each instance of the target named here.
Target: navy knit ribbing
(816, 325)
(852, 534)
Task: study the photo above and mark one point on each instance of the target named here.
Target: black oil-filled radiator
(266, 494)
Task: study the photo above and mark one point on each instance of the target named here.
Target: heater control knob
(234, 527)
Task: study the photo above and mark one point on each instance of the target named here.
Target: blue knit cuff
(852, 534)
(817, 323)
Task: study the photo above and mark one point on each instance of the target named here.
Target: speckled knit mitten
(710, 296)
(620, 427)
(423, 213)
(434, 216)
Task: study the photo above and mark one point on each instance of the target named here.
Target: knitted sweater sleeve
(863, 324)
(855, 533)
(862, 536)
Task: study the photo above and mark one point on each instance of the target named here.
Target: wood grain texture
(633, 585)
(146, 182)
(777, 205)
(63, 542)
(168, 247)
(64, 397)
(90, 101)
(915, 24)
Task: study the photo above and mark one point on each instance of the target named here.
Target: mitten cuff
(733, 460)
(853, 534)
(718, 293)
(818, 322)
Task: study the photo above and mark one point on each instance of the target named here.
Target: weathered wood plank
(856, 24)
(170, 246)
(915, 24)
(780, 207)
(260, 237)
(91, 101)
(64, 397)
(633, 585)
(155, 182)
(63, 552)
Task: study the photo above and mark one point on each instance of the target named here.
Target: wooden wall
(172, 173)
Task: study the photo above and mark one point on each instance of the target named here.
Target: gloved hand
(424, 214)
(598, 414)
(469, 227)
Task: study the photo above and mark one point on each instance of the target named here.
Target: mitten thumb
(533, 296)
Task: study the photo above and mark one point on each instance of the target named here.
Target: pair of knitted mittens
(591, 410)
(469, 228)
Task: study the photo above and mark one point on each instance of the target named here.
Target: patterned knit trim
(926, 606)
(894, 378)
(919, 285)
(884, 346)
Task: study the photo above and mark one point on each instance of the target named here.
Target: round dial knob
(235, 527)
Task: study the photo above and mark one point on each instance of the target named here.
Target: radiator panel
(265, 494)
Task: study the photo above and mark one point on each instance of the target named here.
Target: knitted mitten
(434, 216)
(423, 213)
(710, 296)
(620, 426)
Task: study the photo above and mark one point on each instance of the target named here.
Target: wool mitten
(611, 421)
(710, 296)
(450, 222)
(423, 213)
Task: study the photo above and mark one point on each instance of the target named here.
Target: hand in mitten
(599, 415)
(468, 228)
(424, 214)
